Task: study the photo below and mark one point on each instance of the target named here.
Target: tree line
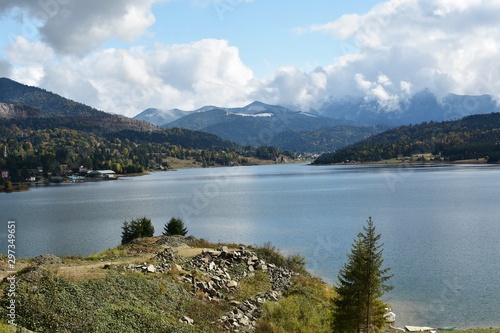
(24, 149)
(472, 137)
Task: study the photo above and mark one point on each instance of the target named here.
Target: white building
(105, 174)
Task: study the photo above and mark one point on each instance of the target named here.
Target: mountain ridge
(41, 130)
(422, 106)
(49, 103)
(473, 137)
(258, 124)
(36, 103)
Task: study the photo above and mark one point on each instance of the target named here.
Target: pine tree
(174, 227)
(137, 228)
(362, 282)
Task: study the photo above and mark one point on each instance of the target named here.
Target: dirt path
(83, 269)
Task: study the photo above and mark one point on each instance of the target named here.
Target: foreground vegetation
(79, 295)
(362, 282)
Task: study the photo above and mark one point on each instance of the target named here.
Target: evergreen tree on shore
(175, 227)
(137, 228)
(362, 282)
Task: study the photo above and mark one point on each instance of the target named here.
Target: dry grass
(189, 252)
(92, 267)
(86, 270)
(175, 163)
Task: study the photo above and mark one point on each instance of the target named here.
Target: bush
(175, 227)
(136, 229)
(8, 186)
(305, 308)
(271, 254)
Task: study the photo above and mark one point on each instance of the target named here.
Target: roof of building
(102, 172)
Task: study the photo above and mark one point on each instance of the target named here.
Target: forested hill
(44, 135)
(472, 137)
(50, 104)
(40, 108)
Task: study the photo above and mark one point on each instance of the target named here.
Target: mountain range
(339, 122)
(260, 124)
(423, 106)
(21, 101)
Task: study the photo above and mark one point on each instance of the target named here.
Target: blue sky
(264, 31)
(124, 56)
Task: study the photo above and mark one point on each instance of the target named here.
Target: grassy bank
(115, 290)
(107, 292)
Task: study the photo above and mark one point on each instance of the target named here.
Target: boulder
(232, 284)
(186, 320)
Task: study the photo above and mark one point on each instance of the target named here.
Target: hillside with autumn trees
(470, 138)
(43, 134)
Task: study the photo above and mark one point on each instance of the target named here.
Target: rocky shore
(202, 287)
(208, 274)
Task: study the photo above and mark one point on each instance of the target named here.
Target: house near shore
(102, 174)
(79, 170)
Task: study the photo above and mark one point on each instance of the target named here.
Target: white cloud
(445, 45)
(398, 48)
(384, 80)
(24, 52)
(184, 76)
(30, 75)
(379, 91)
(405, 88)
(79, 27)
(294, 87)
(219, 2)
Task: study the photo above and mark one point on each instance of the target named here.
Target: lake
(440, 224)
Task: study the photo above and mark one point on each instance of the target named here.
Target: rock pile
(210, 260)
(176, 241)
(46, 259)
(217, 273)
(244, 316)
(215, 265)
(166, 260)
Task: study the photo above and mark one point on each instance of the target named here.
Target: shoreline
(26, 186)
(179, 164)
(400, 162)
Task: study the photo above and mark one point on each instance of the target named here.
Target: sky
(124, 56)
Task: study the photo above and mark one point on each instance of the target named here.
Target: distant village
(76, 173)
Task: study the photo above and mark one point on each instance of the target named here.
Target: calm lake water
(440, 224)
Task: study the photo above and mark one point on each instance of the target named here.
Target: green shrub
(257, 283)
(271, 254)
(305, 308)
(175, 227)
(137, 228)
(121, 303)
(8, 186)
(296, 313)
